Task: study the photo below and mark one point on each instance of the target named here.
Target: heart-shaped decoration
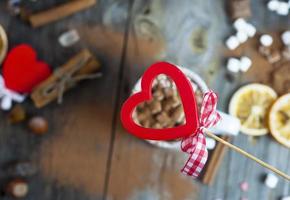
(187, 98)
(22, 71)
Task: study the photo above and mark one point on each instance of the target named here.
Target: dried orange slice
(279, 120)
(251, 104)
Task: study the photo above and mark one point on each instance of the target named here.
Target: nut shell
(38, 125)
(17, 188)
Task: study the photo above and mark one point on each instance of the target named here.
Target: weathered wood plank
(72, 157)
(137, 156)
(152, 171)
(188, 34)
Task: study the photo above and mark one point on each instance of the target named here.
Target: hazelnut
(38, 125)
(17, 114)
(17, 188)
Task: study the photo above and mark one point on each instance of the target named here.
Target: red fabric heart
(187, 97)
(22, 71)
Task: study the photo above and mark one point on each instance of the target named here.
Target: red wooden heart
(22, 71)
(187, 97)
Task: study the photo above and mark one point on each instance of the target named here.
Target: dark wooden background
(127, 36)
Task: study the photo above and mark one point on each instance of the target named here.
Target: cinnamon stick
(214, 162)
(59, 12)
(41, 98)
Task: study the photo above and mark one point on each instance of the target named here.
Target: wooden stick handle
(237, 149)
(59, 12)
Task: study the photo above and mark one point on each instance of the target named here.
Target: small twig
(237, 149)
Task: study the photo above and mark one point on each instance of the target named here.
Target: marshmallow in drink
(233, 65)
(273, 5)
(242, 36)
(266, 40)
(232, 42)
(283, 8)
(245, 64)
(271, 181)
(285, 198)
(286, 38)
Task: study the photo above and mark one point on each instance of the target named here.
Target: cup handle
(228, 125)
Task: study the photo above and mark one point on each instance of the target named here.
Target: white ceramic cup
(4, 46)
(228, 125)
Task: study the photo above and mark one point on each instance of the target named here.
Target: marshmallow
(244, 186)
(233, 65)
(240, 24)
(242, 36)
(232, 42)
(266, 40)
(286, 38)
(283, 8)
(250, 30)
(271, 181)
(210, 143)
(245, 64)
(273, 5)
(69, 38)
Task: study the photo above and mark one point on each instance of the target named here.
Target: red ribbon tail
(197, 158)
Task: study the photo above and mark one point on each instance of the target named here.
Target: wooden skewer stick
(237, 149)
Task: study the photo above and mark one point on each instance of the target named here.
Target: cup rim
(3, 37)
(175, 145)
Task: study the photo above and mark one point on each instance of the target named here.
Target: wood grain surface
(86, 154)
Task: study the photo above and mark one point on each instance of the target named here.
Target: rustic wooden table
(87, 154)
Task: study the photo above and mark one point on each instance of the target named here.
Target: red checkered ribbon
(195, 144)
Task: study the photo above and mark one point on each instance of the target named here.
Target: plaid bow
(195, 144)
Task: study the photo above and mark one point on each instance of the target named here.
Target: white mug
(228, 125)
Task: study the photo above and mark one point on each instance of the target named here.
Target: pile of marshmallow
(280, 7)
(244, 63)
(273, 56)
(236, 65)
(244, 30)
